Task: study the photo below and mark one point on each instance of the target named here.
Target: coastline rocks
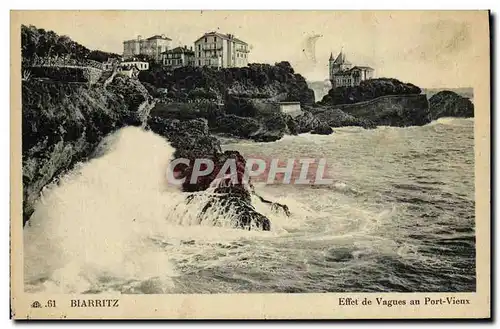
(393, 110)
(266, 129)
(334, 117)
(255, 81)
(367, 90)
(230, 196)
(190, 138)
(450, 104)
(239, 213)
(308, 122)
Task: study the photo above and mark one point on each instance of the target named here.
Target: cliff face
(241, 102)
(450, 104)
(231, 86)
(63, 123)
(255, 80)
(400, 111)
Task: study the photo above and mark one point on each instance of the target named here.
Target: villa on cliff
(153, 47)
(344, 74)
(178, 57)
(219, 50)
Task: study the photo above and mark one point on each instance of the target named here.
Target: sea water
(399, 216)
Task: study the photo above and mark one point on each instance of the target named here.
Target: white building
(292, 108)
(139, 65)
(220, 50)
(153, 47)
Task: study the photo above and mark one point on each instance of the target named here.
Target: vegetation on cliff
(42, 43)
(278, 82)
(63, 123)
(367, 90)
(450, 104)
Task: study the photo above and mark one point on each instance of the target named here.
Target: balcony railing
(211, 47)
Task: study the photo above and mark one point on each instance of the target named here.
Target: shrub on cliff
(367, 90)
(41, 43)
(450, 104)
(254, 81)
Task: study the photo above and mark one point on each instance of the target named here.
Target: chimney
(191, 48)
(139, 37)
(163, 36)
(229, 36)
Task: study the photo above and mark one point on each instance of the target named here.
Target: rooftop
(154, 37)
(340, 59)
(179, 50)
(355, 68)
(222, 36)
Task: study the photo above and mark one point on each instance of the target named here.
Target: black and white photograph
(250, 152)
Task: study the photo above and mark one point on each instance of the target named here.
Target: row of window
(219, 54)
(173, 62)
(138, 65)
(214, 45)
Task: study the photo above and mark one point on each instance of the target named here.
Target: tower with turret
(342, 73)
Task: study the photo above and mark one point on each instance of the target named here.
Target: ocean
(398, 217)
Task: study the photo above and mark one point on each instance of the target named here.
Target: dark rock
(367, 90)
(242, 214)
(322, 130)
(231, 195)
(308, 122)
(450, 104)
(395, 110)
(334, 117)
(256, 81)
(266, 129)
(190, 138)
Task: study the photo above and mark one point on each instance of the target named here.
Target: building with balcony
(152, 47)
(220, 51)
(344, 74)
(178, 57)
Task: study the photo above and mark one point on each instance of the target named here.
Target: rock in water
(241, 213)
(334, 117)
(308, 122)
(450, 104)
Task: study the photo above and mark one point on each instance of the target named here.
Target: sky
(429, 49)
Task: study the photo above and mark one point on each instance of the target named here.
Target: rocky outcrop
(398, 111)
(266, 129)
(276, 82)
(334, 117)
(368, 90)
(242, 102)
(190, 138)
(450, 104)
(308, 122)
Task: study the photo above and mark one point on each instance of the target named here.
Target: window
(199, 62)
(206, 39)
(215, 39)
(199, 47)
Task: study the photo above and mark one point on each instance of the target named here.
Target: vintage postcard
(250, 164)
